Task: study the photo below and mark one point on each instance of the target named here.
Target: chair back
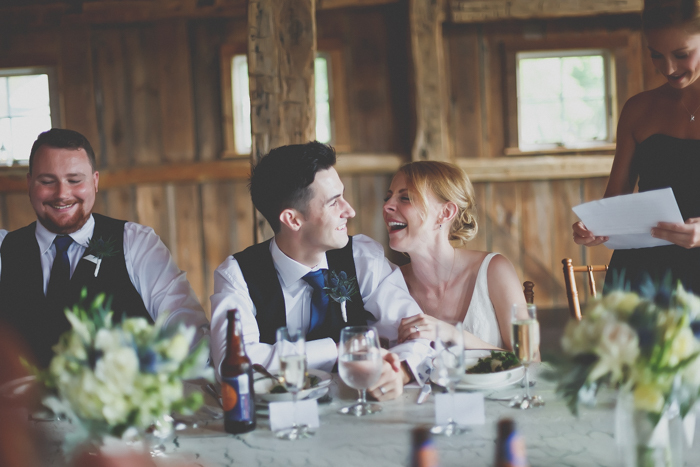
(570, 281)
(527, 290)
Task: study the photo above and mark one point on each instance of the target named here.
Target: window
(241, 105)
(25, 111)
(563, 99)
(241, 102)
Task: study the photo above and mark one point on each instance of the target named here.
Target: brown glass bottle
(423, 452)
(510, 446)
(237, 392)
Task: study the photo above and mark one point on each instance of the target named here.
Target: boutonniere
(341, 289)
(99, 249)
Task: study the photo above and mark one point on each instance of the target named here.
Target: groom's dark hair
(281, 179)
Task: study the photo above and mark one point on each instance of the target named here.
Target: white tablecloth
(553, 436)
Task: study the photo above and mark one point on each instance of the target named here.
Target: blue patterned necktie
(319, 299)
(60, 271)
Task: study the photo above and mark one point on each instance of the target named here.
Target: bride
(430, 214)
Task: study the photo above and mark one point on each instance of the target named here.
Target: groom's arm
(231, 291)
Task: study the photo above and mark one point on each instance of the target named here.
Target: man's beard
(70, 225)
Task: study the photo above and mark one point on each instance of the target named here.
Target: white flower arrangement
(645, 344)
(117, 379)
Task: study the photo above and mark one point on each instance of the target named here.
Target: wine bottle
(510, 446)
(237, 391)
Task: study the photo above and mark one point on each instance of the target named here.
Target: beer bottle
(423, 452)
(237, 392)
(510, 446)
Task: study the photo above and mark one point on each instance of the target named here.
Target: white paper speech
(282, 414)
(628, 219)
(468, 408)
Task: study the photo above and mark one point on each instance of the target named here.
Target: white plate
(17, 387)
(263, 386)
(506, 378)
(488, 379)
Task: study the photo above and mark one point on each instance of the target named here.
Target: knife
(425, 390)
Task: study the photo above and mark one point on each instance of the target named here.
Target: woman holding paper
(658, 146)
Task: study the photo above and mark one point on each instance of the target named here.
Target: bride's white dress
(481, 317)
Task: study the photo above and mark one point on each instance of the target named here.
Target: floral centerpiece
(643, 344)
(121, 379)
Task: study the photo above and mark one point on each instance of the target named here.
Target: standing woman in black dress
(658, 146)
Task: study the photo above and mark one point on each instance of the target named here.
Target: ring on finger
(416, 328)
(382, 390)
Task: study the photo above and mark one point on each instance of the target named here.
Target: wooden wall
(148, 95)
(529, 221)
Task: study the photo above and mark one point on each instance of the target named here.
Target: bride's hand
(686, 235)
(419, 326)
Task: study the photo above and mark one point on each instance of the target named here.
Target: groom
(291, 279)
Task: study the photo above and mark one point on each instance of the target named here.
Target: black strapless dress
(662, 161)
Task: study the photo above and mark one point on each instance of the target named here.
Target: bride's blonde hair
(448, 183)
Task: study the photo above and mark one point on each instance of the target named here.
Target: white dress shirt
(381, 285)
(162, 285)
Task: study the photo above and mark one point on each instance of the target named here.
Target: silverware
(263, 371)
(425, 390)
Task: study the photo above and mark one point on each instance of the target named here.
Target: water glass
(448, 369)
(360, 365)
(291, 348)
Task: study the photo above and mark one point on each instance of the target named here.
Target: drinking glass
(448, 369)
(360, 365)
(526, 344)
(291, 347)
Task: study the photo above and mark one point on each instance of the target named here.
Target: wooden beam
(432, 139)
(331, 4)
(281, 52)
(132, 11)
(471, 11)
(479, 170)
(535, 168)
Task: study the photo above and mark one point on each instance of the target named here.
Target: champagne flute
(360, 365)
(448, 369)
(291, 347)
(526, 344)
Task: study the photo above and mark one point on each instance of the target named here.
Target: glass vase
(647, 439)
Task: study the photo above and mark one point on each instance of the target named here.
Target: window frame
(340, 126)
(617, 44)
(54, 96)
(563, 53)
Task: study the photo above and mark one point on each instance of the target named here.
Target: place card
(467, 408)
(282, 414)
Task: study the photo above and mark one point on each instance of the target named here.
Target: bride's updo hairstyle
(448, 183)
(660, 14)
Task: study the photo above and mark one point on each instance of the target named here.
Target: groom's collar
(290, 270)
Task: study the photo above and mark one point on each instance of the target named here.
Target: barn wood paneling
(148, 94)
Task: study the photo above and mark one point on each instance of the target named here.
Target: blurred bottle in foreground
(510, 446)
(237, 392)
(423, 452)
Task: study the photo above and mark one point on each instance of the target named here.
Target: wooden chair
(570, 281)
(527, 290)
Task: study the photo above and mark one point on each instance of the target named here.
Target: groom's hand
(394, 376)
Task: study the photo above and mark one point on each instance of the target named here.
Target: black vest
(266, 292)
(23, 304)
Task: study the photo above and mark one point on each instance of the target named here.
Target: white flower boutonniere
(341, 289)
(99, 249)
